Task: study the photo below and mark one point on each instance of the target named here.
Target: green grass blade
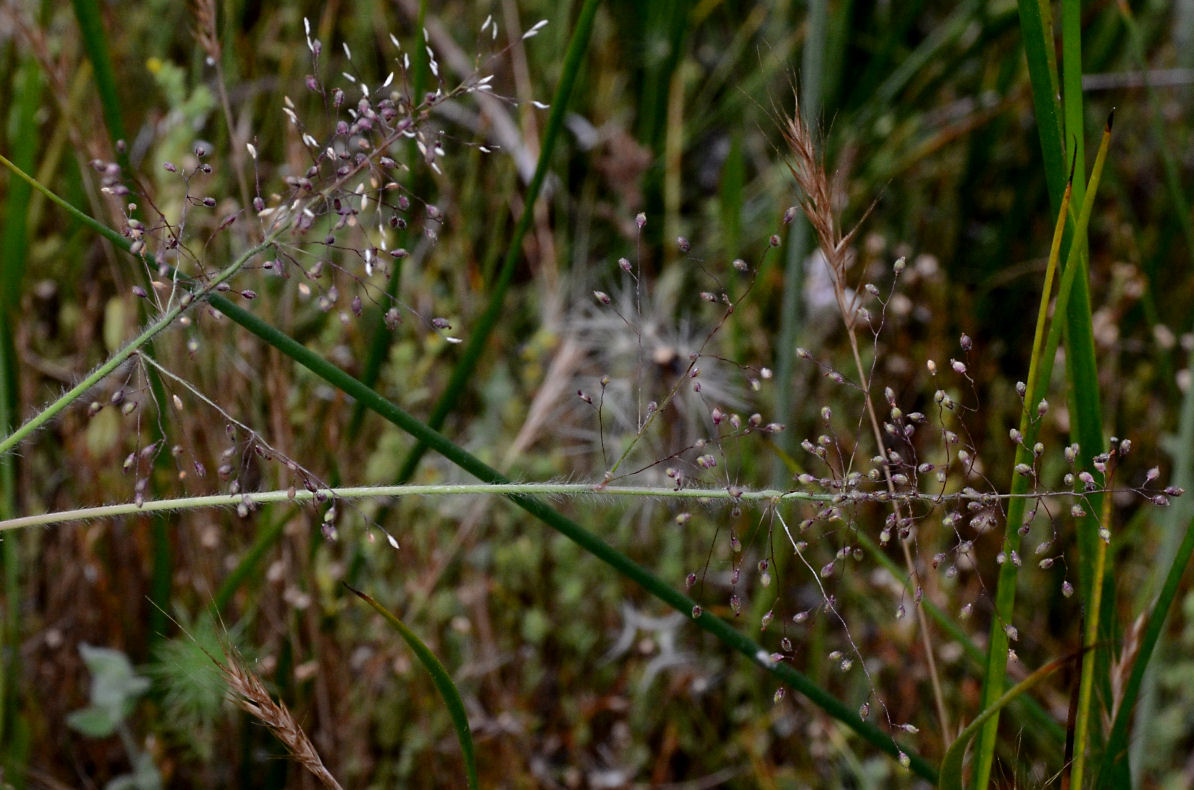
(14, 248)
(1036, 30)
(1082, 722)
(1085, 405)
(951, 764)
(1040, 367)
(1071, 90)
(480, 334)
(95, 44)
(1040, 372)
(1036, 24)
(443, 682)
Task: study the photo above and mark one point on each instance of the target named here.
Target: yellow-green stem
(1086, 685)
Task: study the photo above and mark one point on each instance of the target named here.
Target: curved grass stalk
(1082, 721)
(443, 683)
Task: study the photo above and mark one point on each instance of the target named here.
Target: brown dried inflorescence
(818, 206)
(250, 695)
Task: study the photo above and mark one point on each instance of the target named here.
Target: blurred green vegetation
(571, 678)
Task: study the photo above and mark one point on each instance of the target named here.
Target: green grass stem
(1040, 371)
(14, 248)
(1082, 722)
(767, 497)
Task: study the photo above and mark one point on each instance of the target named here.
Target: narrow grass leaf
(1040, 372)
(950, 776)
(95, 44)
(1036, 31)
(443, 682)
(1084, 400)
(14, 247)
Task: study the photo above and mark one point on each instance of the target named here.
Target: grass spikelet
(248, 692)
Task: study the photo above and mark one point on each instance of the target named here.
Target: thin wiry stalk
(1083, 722)
(768, 497)
(818, 206)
